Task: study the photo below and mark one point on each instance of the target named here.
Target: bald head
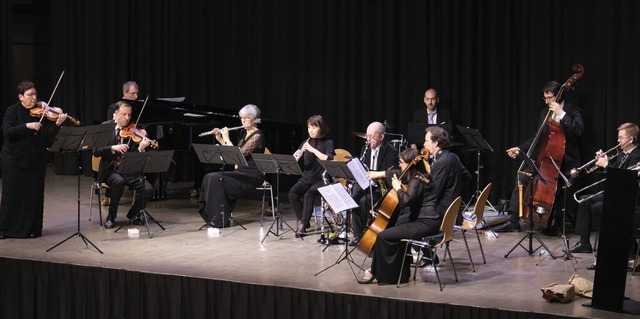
(431, 99)
(375, 134)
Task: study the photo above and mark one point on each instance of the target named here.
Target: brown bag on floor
(583, 287)
(556, 292)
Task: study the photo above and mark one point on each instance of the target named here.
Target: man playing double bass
(569, 118)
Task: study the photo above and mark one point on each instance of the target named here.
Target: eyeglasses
(31, 94)
(549, 98)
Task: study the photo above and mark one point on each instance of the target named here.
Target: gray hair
(250, 110)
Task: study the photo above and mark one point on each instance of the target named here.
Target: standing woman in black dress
(317, 147)
(24, 163)
(220, 190)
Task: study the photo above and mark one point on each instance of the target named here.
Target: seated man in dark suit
(377, 156)
(111, 157)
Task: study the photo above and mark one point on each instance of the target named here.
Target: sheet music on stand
(359, 172)
(337, 197)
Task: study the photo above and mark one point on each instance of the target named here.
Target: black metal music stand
(225, 155)
(341, 170)
(477, 144)
(141, 163)
(534, 177)
(337, 170)
(277, 164)
(76, 139)
(567, 255)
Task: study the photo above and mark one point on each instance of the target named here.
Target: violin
(137, 135)
(50, 112)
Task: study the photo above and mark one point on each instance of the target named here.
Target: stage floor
(238, 255)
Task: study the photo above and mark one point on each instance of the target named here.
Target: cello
(550, 155)
(388, 210)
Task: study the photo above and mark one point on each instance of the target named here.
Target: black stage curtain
(357, 61)
(36, 289)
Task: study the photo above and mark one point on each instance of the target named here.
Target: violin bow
(52, 94)
(135, 125)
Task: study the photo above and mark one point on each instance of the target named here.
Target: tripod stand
(76, 139)
(565, 187)
(139, 164)
(474, 139)
(277, 164)
(531, 234)
(220, 154)
(339, 200)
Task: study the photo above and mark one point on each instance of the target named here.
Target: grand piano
(176, 124)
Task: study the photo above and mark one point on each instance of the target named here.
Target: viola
(388, 210)
(137, 135)
(50, 112)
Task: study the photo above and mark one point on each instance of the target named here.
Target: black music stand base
(145, 217)
(346, 254)
(277, 222)
(84, 239)
(531, 234)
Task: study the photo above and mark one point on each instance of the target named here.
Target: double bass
(388, 210)
(550, 155)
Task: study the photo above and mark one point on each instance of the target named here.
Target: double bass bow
(388, 210)
(551, 137)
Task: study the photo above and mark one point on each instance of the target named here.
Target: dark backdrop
(355, 61)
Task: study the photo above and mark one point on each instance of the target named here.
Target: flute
(216, 130)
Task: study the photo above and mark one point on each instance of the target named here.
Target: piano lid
(175, 110)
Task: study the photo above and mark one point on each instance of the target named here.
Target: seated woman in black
(220, 190)
(423, 205)
(317, 147)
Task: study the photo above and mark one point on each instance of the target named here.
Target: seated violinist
(111, 156)
(422, 205)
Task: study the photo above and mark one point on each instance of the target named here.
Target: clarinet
(299, 151)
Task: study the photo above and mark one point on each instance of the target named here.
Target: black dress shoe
(581, 248)
(507, 227)
(138, 221)
(354, 242)
(109, 223)
(591, 267)
(301, 232)
(552, 232)
(3, 236)
(366, 281)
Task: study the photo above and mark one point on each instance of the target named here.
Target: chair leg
(435, 267)
(264, 195)
(99, 207)
(635, 260)
(484, 260)
(273, 206)
(406, 247)
(93, 189)
(451, 258)
(466, 244)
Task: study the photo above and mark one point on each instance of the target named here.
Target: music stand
(344, 202)
(336, 170)
(277, 164)
(477, 143)
(535, 175)
(140, 163)
(220, 154)
(76, 139)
